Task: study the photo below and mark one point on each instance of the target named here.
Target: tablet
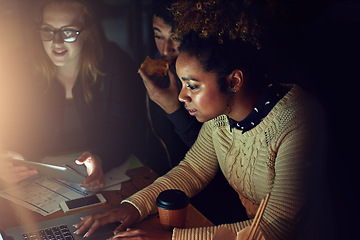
(60, 172)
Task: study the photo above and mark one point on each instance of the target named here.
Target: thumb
(79, 162)
(120, 228)
(82, 158)
(125, 224)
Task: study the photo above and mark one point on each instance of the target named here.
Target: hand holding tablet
(48, 170)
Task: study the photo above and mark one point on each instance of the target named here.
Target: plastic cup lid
(172, 199)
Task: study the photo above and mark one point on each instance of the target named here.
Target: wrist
(173, 234)
(131, 204)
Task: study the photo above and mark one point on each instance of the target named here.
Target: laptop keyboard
(61, 232)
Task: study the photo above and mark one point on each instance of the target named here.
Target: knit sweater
(272, 157)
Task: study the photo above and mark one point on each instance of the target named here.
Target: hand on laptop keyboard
(61, 232)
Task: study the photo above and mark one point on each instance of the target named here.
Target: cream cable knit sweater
(272, 157)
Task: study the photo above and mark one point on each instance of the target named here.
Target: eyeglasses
(67, 35)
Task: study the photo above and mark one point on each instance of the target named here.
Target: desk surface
(12, 214)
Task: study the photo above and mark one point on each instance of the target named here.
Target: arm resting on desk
(207, 233)
(190, 176)
(291, 149)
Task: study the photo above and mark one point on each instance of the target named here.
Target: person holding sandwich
(172, 131)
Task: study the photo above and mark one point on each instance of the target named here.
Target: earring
(232, 89)
(233, 86)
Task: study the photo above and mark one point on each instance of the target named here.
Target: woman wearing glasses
(89, 91)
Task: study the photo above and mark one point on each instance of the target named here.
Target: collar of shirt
(272, 94)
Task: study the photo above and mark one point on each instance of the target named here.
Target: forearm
(206, 233)
(190, 176)
(182, 177)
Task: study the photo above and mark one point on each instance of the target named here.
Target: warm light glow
(11, 40)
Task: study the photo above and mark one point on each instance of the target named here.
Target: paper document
(43, 195)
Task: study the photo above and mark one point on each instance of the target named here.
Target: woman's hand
(14, 173)
(126, 214)
(166, 98)
(135, 234)
(95, 180)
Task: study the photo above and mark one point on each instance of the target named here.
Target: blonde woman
(89, 87)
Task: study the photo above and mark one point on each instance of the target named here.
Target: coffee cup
(172, 205)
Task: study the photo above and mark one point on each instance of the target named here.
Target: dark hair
(223, 58)
(162, 9)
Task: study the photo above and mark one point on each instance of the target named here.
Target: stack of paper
(43, 195)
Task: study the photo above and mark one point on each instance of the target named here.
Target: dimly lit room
(178, 119)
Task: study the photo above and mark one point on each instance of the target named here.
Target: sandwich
(155, 69)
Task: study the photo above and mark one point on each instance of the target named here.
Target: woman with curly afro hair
(263, 136)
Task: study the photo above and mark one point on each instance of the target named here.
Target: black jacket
(178, 131)
(114, 123)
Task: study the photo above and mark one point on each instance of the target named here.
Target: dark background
(316, 46)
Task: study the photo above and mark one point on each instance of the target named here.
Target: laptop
(57, 229)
